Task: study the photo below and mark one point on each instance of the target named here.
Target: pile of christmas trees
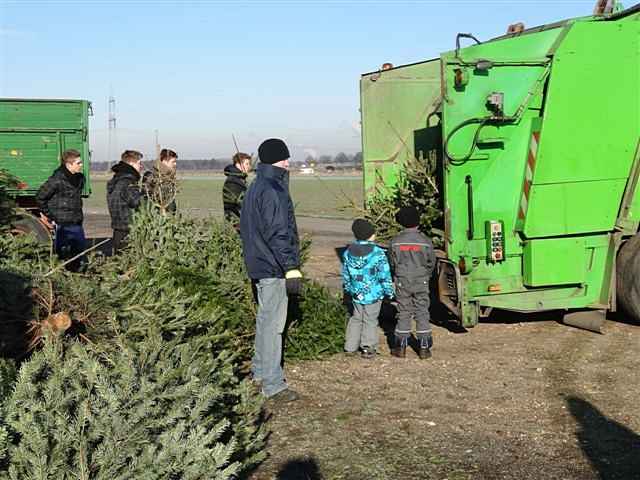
(416, 187)
(137, 368)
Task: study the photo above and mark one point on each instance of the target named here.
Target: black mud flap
(449, 285)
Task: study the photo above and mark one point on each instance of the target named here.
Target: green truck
(537, 139)
(33, 135)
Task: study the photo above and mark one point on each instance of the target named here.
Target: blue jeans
(270, 321)
(69, 242)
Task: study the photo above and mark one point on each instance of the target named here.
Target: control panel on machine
(495, 240)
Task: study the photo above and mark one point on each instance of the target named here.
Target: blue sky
(199, 71)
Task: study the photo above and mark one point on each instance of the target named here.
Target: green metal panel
(30, 156)
(497, 165)
(395, 104)
(43, 114)
(583, 162)
(33, 135)
(573, 87)
(554, 261)
(573, 208)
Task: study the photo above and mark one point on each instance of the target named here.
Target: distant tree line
(211, 164)
(339, 162)
(341, 159)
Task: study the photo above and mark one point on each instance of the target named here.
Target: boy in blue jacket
(367, 279)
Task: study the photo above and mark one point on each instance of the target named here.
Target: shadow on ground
(300, 469)
(612, 449)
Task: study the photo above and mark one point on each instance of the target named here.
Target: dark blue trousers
(69, 242)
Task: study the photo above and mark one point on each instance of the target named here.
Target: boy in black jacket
(60, 203)
(124, 195)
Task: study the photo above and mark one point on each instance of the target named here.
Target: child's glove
(293, 282)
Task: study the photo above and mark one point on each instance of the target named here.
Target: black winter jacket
(123, 195)
(233, 192)
(60, 197)
(268, 225)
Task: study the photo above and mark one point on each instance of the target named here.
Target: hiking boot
(399, 351)
(424, 353)
(285, 396)
(368, 353)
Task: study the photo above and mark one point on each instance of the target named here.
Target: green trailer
(537, 133)
(33, 135)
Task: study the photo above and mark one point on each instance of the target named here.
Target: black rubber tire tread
(628, 277)
(27, 223)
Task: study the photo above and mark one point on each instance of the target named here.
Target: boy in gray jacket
(412, 261)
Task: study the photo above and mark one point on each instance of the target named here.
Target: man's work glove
(293, 279)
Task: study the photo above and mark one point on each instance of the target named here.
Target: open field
(317, 196)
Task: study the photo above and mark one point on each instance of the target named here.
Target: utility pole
(112, 148)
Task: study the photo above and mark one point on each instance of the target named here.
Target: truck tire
(628, 277)
(26, 224)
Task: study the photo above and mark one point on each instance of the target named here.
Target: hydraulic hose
(482, 121)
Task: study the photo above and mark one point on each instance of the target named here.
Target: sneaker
(399, 352)
(285, 396)
(350, 354)
(368, 353)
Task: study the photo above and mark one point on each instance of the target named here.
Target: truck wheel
(628, 277)
(26, 224)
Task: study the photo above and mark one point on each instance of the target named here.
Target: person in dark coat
(235, 186)
(124, 195)
(160, 184)
(413, 261)
(60, 203)
(272, 257)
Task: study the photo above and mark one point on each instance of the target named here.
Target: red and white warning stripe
(528, 174)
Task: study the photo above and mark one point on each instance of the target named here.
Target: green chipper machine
(536, 135)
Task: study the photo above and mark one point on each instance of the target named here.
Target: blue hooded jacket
(365, 273)
(268, 225)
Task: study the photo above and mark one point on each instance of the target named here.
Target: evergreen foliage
(149, 380)
(7, 205)
(147, 414)
(416, 187)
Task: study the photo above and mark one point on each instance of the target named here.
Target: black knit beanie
(272, 151)
(408, 217)
(362, 229)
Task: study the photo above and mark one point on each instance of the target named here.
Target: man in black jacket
(235, 186)
(271, 252)
(124, 196)
(60, 203)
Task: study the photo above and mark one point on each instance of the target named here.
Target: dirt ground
(517, 397)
